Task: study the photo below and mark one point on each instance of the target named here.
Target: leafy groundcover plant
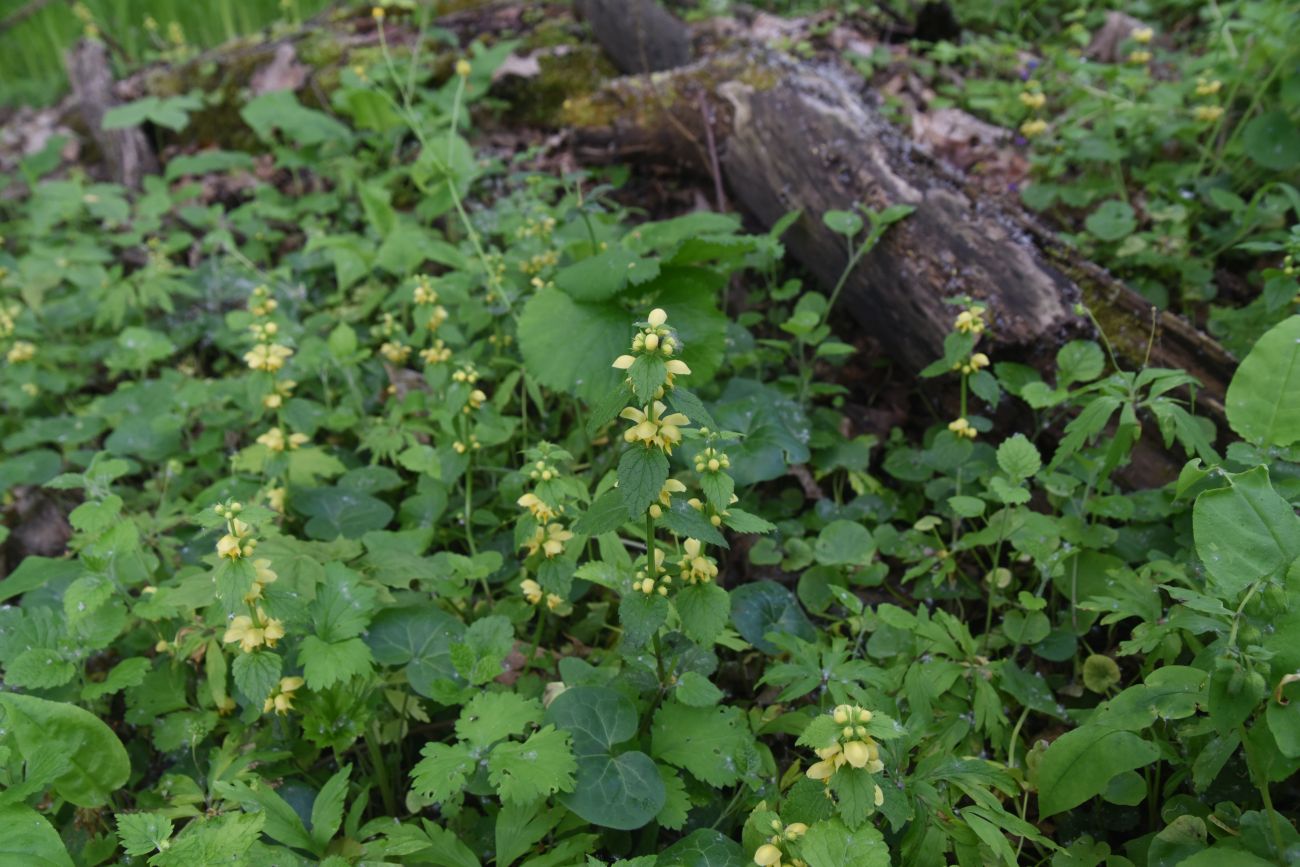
(423, 509)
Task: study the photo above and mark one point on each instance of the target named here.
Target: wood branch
(126, 151)
(799, 137)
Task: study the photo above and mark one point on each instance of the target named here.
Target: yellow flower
(767, 856)
(377, 13)
(962, 428)
(243, 630)
(537, 507)
(970, 321)
(21, 351)
(1033, 128)
(1143, 35)
(1139, 57)
(549, 540)
(651, 427)
(532, 591)
(657, 317)
(1033, 99)
(436, 354)
(267, 356)
(396, 353)
(424, 293)
(275, 499)
(670, 487)
(696, 568)
(1208, 113)
(645, 584)
(1206, 87)
(475, 400)
(281, 701)
(463, 68)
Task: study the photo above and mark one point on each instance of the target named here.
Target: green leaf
(704, 847)
(257, 674)
(696, 690)
(1112, 221)
(855, 794)
(647, 374)
(492, 716)
(1244, 532)
(441, 774)
(709, 742)
(718, 488)
(1019, 458)
(1272, 140)
(281, 823)
(128, 672)
(615, 791)
(599, 277)
(1263, 403)
(537, 768)
(844, 223)
(419, 637)
(743, 522)
(844, 543)
(325, 663)
(641, 475)
(143, 833)
(519, 828)
(28, 839)
(831, 844)
(552, 324)
(607, 407)
(280, 110)
(39, 668)
(1079, 361)
(641, 614)
(33, 572)
(760, 607)
(338, 512)
(97, 762)
(703, 609)
(1081, 763)
(689, 523)
(487, 643)
(327, 809)
(966, 507)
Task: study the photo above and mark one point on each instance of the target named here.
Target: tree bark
(797, 137)
(638, 35)
(127, 153)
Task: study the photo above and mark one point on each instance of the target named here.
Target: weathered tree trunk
(797, 137)
(638, 35)
(127, 153)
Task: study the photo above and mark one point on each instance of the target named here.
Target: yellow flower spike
(377, 13)
(273, 439)
(21, 351)
(268, 357)
(463, 68)
(979, 360)
(242, 630)
(1139, 57)
(1208, 113)
(962, 428)
(767, 855)
(1033, 99)
(1143, 35)
(1033, 128)
(536, 506)
(1205, 87)
(230, 547)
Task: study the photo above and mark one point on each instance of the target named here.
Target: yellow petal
(767, 855)
(623, 362)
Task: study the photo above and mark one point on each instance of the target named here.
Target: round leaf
(97, 762)
(1263, 402)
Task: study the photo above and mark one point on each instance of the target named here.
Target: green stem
(381, 769)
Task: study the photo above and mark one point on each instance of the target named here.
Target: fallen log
(794, 136)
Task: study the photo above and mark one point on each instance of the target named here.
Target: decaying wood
(638, 35)
(127, 153)
(799, 137)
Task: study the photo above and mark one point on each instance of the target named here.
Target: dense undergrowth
(426, 509)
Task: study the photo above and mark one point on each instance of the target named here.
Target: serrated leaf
(743, 522)
(718, 488)
(1019, 458)
(257, 674)
(441, 773)
(641, 475)
(641, 615)
(492, 716)
(647, 375)
(537, 768)
(706, 741)
(325, 663)
(703, 609)
(689, 523)
(605, 515)
(39, 668)
(696, 690)
(128, 672)
(143, 833)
